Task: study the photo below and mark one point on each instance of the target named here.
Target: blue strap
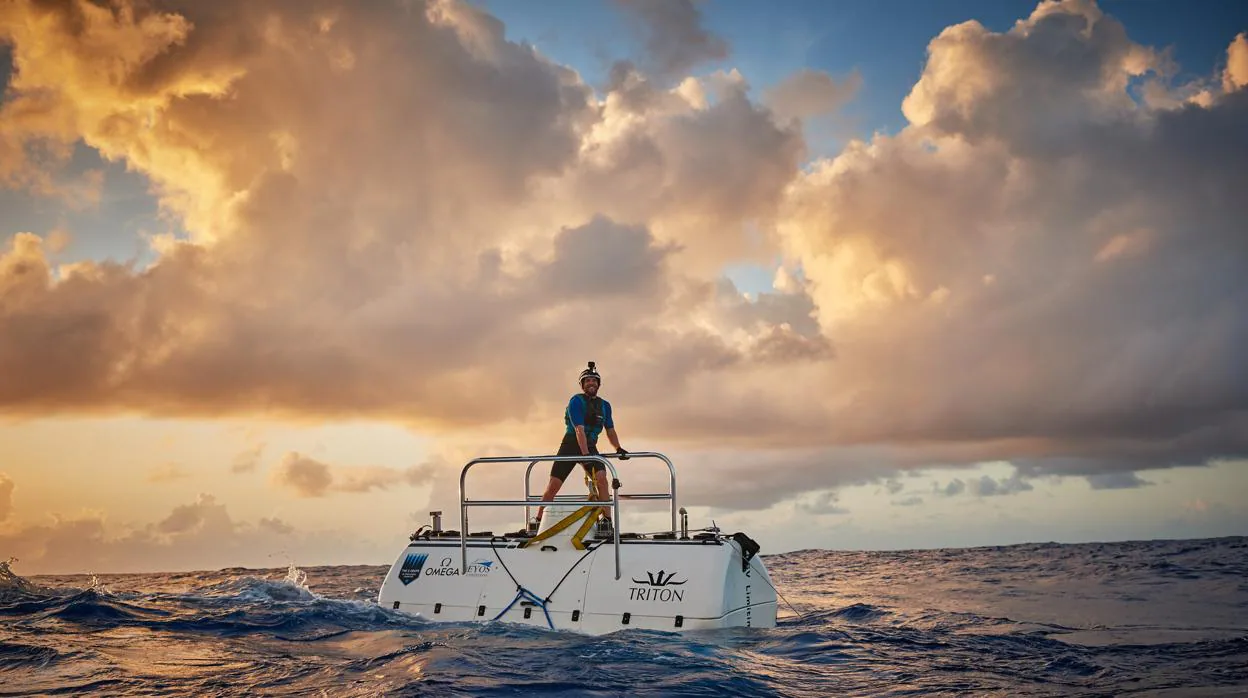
(522, 593)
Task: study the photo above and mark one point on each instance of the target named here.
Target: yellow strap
(585, 511)
(579, 536)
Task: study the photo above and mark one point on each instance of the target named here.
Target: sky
(875, 275)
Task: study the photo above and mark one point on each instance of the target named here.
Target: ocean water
(1158, 618)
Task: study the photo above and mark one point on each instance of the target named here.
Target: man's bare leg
(552, 489)
(604, 494)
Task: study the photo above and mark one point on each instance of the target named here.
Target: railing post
(615, 523)
(528, 493)
(463, 521)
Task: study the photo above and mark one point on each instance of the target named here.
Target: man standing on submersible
(585, 417)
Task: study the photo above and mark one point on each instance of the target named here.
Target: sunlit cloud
(1235, 75)
(391, 212)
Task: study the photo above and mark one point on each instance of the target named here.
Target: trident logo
(659, 580)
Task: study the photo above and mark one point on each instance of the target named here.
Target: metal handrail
(464, 502)
(671, 486)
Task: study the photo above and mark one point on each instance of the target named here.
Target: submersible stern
(562, 577)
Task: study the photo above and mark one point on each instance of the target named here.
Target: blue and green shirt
(577, 411)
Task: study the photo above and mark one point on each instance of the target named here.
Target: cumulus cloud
(308, 477)
(439, 226)
(197, 535)
(984, 486)
(675, 40)
(305, 476)
(1116, 481)
(1235, 75)
(602, 259)
(811, 93)
(955, 487)
(1063, 69)
(987, 486)
(820, 504)
(301, 247)
(1025, 173)
(201, 514)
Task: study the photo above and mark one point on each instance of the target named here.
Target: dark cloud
(767, 309)
(821, 504)
(954, 488)
(205, 513)
(675, 40)
(1116, 481)
(603, 258)
(308, 477)
(987, 486)
(984, 486)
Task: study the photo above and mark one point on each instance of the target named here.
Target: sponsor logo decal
(480, 568)
(447, 568)
(412, 565)
(657, 587)
(748, 607)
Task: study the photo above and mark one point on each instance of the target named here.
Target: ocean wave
(1037, 619)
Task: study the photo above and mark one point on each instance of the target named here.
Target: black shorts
(560, 469)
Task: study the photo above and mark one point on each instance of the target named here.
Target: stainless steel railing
(671, 486)
(529, 498)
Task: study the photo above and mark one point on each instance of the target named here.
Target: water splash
(10, 579)
(15, 586)
(297, 578)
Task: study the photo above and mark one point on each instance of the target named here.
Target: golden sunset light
(272, 272)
